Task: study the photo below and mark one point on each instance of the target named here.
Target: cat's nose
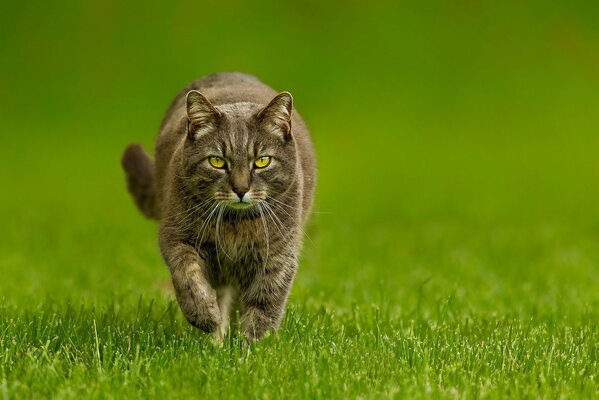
(240, 190)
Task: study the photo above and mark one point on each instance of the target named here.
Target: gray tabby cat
(232, 185)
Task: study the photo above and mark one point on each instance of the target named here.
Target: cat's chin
(238, 205)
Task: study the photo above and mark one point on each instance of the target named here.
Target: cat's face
(239, 155)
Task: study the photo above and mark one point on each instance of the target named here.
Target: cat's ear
(202, 115)
(276, 116)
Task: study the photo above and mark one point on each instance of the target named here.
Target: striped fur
(224, 248)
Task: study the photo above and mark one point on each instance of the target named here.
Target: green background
(455, 247)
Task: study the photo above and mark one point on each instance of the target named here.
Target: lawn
(454, 248)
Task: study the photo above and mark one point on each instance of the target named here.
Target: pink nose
(240, 191)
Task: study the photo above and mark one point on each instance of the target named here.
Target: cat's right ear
(202, 116)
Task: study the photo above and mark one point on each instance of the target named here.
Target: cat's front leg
(264, 299)
(195, 295)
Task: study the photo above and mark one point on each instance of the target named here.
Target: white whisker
(192, 212)
(278, 207)
(200, 240)
(266, 235)
(218, 221)
(278, 224)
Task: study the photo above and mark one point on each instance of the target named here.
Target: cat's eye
(262, 162)
(216, 162)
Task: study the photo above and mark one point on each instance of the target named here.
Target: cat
(232, 185)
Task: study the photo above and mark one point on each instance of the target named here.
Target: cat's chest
(238, 242)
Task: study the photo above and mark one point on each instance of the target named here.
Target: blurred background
(457, 143)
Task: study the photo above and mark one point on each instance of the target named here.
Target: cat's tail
(139, 171)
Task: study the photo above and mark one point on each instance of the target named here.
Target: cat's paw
(201, 310)
(218, 338)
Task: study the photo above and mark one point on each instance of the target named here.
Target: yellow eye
(216, 162)
(262, 162)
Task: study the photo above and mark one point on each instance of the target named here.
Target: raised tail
(139, 171)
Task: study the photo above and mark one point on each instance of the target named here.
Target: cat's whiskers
(266, 235)
(280, 208)
(185, 213)
(218, 221)
(285, 205)
(278, 224)
(190, 212)
(204, 226)
(216, 241)
(187, 210)
(204, 220)
(204, 205)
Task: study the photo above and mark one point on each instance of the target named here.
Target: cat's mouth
(240, 205)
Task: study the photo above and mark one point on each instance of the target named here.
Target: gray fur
(218, 254)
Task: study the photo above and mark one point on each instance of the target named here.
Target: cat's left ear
(276, 116)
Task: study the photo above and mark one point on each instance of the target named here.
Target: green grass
(146, 351)
(455, 248)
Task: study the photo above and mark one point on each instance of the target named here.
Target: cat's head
(238, 155)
